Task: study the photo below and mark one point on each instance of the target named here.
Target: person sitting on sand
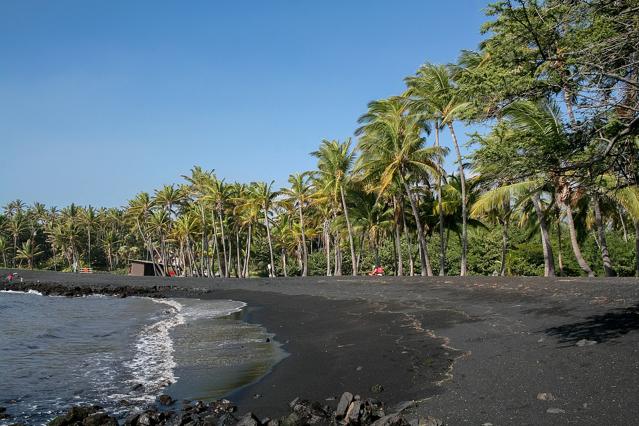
(378, 271)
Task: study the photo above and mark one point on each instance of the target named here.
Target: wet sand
(470, 351)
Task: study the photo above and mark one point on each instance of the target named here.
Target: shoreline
(333, 348)
(517, 338)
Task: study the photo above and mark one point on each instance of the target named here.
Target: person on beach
(378, 271)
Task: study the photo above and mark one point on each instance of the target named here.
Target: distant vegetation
(550, 189)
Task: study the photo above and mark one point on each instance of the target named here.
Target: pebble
(586, 342)
(546, 396)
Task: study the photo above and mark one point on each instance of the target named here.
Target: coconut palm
(542, 122)
(88, 218)
(3, 249)
(299, 194)
(335, 161)
(29, 252)
(263, 194)
(434, 94)
(393, 152)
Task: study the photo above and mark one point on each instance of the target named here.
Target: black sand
(514, 338)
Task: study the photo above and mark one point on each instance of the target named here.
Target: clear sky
(102, 99)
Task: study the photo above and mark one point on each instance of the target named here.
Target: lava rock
(73, 416)
(344, 403)
(165, 400)
(249, 419)
(100, 419)
(394, 419)
(377, 388)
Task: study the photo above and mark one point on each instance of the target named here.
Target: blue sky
(100, 100)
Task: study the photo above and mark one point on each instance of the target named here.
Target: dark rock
(292, 419)
(248, 419)
(226, 419)
(73, 416)
(100, 419)
(165, 400)
(3, 409)
(294, 402)
(138, 387)
(200, 407)
(343, 405)
(394, 419)
(354, 412)
(431, 421)
(273, 422)
(377, 388)
(131, 419)
(149, 418)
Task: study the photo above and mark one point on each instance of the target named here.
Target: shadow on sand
(599, 328)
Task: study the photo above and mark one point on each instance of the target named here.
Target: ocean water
(123, 353)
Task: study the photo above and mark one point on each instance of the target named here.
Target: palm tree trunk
(573, 241)
(549, 261)
(559, 253)
(409, 243)
(271, 271)
(216, 247)
(284, 263)
(398, 237)
(237, 249)
(327, 246)
(605, 256)
(442, 247)
(15, 248)
(226, 264)
(204, 250)
(423, 252)
(636, 224)
(462, 179)
(504, 247)
(304, 252)
(89, 254)
(247, 258)
(350, 233)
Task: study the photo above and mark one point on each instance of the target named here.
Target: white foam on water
(212, 309)
(153, 364)
(37, 293)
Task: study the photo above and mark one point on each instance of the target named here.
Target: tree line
(550, 188)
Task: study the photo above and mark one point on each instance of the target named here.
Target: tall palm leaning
(335, 161)
(300, 193)
(542, 121)
(393, 152)
(433, 92)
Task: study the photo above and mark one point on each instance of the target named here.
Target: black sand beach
(475, 350)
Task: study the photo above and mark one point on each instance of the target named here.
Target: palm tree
(434, 94)
(88, 218)
(29, 252)
(541, 121)
(265, 196)
(335, 161)
(139, 210)
(299, 194)
(16, 225)
(3, 249)
(393, 152)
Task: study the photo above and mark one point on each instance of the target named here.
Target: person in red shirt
(378, 271)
